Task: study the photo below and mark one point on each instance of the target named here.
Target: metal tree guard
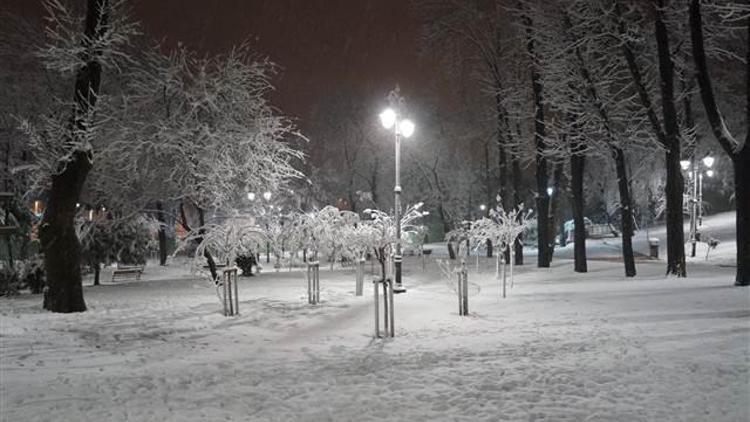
(463, 290)
(230, 294)
(313, 282)
(388, 311)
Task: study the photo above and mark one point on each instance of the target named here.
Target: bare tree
(739, 152)
(666, 133)
(65, 153)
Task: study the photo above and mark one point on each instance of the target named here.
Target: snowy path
(561, 347)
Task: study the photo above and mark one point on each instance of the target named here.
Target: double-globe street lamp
(695, 194)
(391, 118)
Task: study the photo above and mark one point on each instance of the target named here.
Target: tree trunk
(741, 163)
(162, 233)
(488, 190)
(451, 251)
(97, 272)
(555, 202)
(674, 188)
(518, 246)
(577, 167)
(626, 211)
(201, 231)
(209, 259)
(62, 250)
(542, 198)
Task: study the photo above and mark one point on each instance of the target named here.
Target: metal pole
(465, 275)
(385, 307)
(309, 285)
(700, 200)
(236, 293)
(317, 282)
(393, 308)
(399, 288)
(228, 283)
(694, 203)
(512, 259)
(224, 291)
(377, 307)
(460, 290)
(504, 277)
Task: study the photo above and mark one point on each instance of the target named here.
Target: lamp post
(391, 119)
(267, 197)
(695, 195)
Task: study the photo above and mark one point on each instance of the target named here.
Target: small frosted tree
(503, 228)
(224, 240)
(385, 231)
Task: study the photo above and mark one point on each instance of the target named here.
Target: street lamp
(390, 119)
(695, 195)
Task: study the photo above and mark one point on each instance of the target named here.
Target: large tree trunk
(626, 211)
(162, 233)
(62, 250)
(674, 189)
(741, 163)
(542, 198)
(577, 167)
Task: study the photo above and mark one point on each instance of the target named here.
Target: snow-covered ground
(560, 347)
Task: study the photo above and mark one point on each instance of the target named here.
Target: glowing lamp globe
(406, 128)
(685, 164)
(388, 118)
(708, 161)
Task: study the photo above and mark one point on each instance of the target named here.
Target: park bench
(128, 270)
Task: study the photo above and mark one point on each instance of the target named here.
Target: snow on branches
(224, 240)
(69, 49)
(210, 120)
(502, 228)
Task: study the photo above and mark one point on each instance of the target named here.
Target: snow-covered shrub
(225, 240)
(246, 262)
(384, 230)
(323, 232)
(127, 241)
(10, 282)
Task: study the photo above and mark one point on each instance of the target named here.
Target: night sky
(322, 45)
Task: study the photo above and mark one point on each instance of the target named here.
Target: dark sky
(322, 45)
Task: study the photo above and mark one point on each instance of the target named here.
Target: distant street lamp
(391, 119)
(695, 195)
